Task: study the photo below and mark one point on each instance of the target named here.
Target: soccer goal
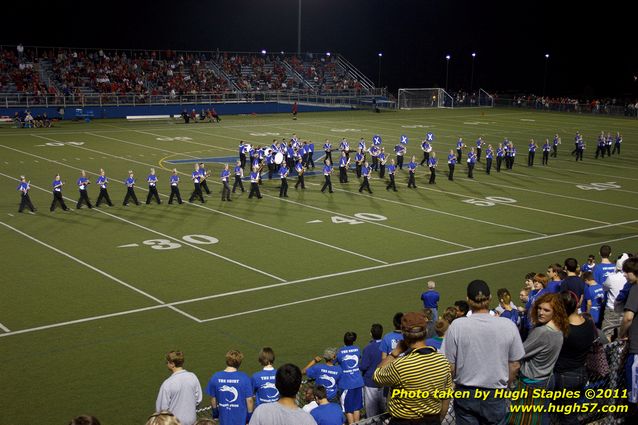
(424, 98)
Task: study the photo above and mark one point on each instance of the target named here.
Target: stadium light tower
(472, 74)
(545, 73)
(299, 31)
(380, 55)
(447, 69)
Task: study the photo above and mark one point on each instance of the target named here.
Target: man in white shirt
(612, 285)
(181, 392)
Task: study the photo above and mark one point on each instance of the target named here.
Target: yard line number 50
(489, 201)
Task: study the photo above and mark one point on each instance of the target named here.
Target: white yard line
(180, 241)
(95, 269)
(4, 328)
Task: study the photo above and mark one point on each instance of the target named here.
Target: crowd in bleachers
(64, 72)
(547, 343)
(627, 107)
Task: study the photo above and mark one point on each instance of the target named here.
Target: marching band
(295, 156)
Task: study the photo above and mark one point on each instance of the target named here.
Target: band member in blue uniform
(601, 145)
(25, 200)
(57, 194)
(546, 148)
(400, 151)
(205, 174)
(174, 182)
(617, 143)
(254, 183)
(283, 176)
(102, 182)
(239, 174)
(196, 177)
(358, 162)
(344, 163)
(411, 173)
(500, 154)
(130, 189)
(300, 169)
(383, 158)
(152, 188)
(432, 163)
(509, 161)
(531, 148)
(512, 151)
(365, 172)
(327, 171)
(451, 164)
(459, 149)
(242, 154)
(83, 183)
(479, 148)
(225, 177)
(471, 161)
(374, 154)
(609, 141)
(555, 144)
(580, 149)
(392, 169)
(426, 148)
(327, 148)
(344, 147)
(577, 138)
(489, 157)
(311, 152)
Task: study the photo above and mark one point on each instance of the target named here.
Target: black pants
(225, 190)
(616, 148)
(375, 163)
(84, 198)
(426, 158)
(382, 170)
(328, 183)
(25, 202)
(283, 189)
(411, 181)
(432, 175)
(254, 190)
(608, 149)
(300, 181)
(450, 174)
(579, 154)
(478, 153)
(242, 160)
(499, 162)
(459, 155)
(328, 157)
(365, 185)
(545, 157)
(470, 170)
(357, 170)
(400, 162)
(343, 175)
(103, 196)
(555, 151)
(58, 199)
(600, 151)
(508, 162)
(391, 184)
(197, 193)
(152, 193)
(205, 187)
(488, 165)
(175, 194)
(130, 194)
(530, 159)
(239, 183)
(311, 161)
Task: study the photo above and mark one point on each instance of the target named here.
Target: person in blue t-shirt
(430, 299)
(440, 328)
(391, 339)
(264, 381)
(231, 392)
(371, 357)
(589, 264)
(326, 413)
(553, 273)
(351, 382)
(593, 298)
(605, 267)
(506, 307)
(327, 374)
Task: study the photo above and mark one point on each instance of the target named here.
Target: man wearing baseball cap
(484, 352)
(417, 375)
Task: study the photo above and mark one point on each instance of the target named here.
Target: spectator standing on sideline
(573, 282)
(472, 341)
(181, 392)
(373, 394)
(327, 375)
(612, 286)
(285, 411)
(351, 382)
(231, 392)
(419, 368)
(326, 413)
(391, 339)
(605, 267)
(263, 381)
(430, 299)
(629, 329)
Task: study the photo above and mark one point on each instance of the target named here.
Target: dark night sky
(592, 48)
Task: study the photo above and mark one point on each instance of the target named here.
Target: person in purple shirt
(411, 173)
(372, 393)
(430, 299)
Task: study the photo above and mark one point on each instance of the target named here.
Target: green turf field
(93, 299)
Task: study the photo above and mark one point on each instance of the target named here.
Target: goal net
(424, 98)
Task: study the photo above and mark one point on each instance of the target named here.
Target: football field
(91, 300)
